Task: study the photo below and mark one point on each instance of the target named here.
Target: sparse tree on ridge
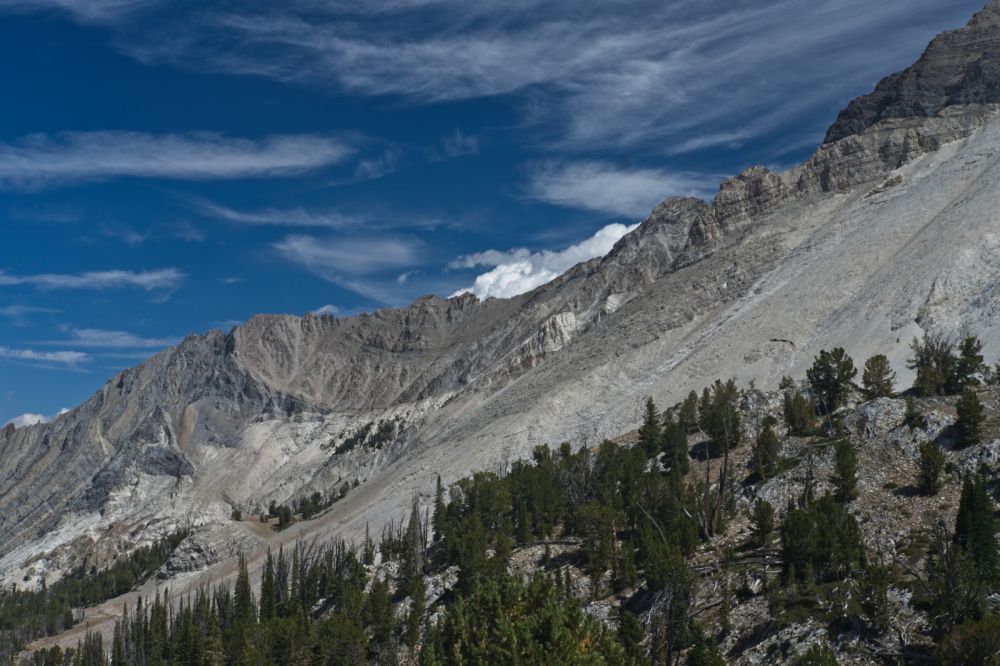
(969, 365)
(933, 361)
(845, 463)
(688, 416)
(831, 375)
(649, 431)
(878, 378)
(766, 450)
(931, 464)
(970, 418)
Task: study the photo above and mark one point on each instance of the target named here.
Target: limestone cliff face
(889, 229)
(959, 67)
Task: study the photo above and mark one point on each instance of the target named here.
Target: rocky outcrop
(959, 67)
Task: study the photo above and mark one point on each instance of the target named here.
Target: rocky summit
(888, 232)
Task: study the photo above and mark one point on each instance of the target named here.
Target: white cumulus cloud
(30, 418)
(517, 271)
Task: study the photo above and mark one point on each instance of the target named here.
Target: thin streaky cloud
(328, 309)
(637, 75)
(292, 217)
(41, 160)
(456, 144)
(68, 358)
(373, 218)
(607, 188)
(337, 256)
(162, 279)
(86, 11)
(21, 311)
(99, 338)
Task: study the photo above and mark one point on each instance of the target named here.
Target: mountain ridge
(699, 290)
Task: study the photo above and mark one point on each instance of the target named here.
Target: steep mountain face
(890, 229)
(959, 67)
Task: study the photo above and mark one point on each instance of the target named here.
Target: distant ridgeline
(629, 553)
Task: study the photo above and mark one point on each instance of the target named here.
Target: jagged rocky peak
(959, 67)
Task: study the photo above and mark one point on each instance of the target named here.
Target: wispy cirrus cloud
(332, 256)
(328, 309)
(356, 263)
(99, 338)
(89, 11)
(18, 313)
(371, 218)
(66, 358)
(607, 188)
(279, 217)
(520, 270)
(456, 144)
(39, 160)
(165, 278)
(624, 76)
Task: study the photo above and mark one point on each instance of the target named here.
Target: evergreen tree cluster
(26, 615)
(944, 368)
(638, 515)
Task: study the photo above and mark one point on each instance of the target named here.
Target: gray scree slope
(890, 229)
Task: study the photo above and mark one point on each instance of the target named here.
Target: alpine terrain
(338, 427)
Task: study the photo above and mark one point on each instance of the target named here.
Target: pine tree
(368, 547)
(969, 364)
(268, 590)
(675, 447)
(243, 601)
(688, 417)
(118, 645)
(214, 653)
(970, 418)
(766, 450)
(763, 521)
(934, 362)
(845, 465)
(415, 617)
(704, 408)
(630, 635)
(913, 419)
(414, 557)
(931, 465)
(830, 376)
(649, 431)
(878, 378)
(800, 414)
(440, 511)
(975, 527)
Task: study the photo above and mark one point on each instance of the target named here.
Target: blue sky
(167, 167)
